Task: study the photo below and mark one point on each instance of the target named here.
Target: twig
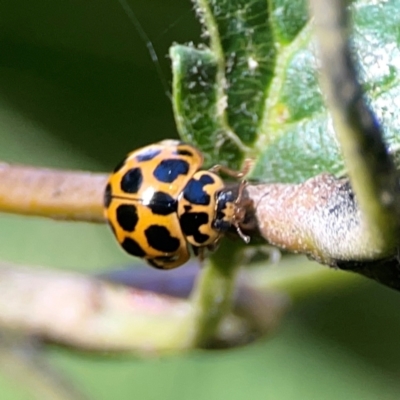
(69, 195)
(87, 313)
(319, 217)
(372, 171)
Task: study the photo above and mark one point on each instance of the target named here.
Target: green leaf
(199, 110)
(254, 91)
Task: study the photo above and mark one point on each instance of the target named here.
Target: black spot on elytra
(132, 247)
(159, 238)
(194, 190)
(120, 165)
(132, 180)
(147, 155)
(127, 217)
(163, 204)
(168, 170)
(107, 196)
(184, 152)
(191, 223)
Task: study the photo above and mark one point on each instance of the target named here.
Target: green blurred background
(78, 90)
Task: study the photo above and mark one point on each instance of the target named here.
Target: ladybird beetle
(158, 202)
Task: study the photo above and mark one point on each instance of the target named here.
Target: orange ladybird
(158, 202)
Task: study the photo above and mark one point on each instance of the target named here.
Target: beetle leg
(248, 163)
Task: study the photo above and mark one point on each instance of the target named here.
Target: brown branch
(370, 167)
(88, 313)
(70, 195)
(319, 217)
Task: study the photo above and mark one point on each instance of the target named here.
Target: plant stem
(212, 295)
